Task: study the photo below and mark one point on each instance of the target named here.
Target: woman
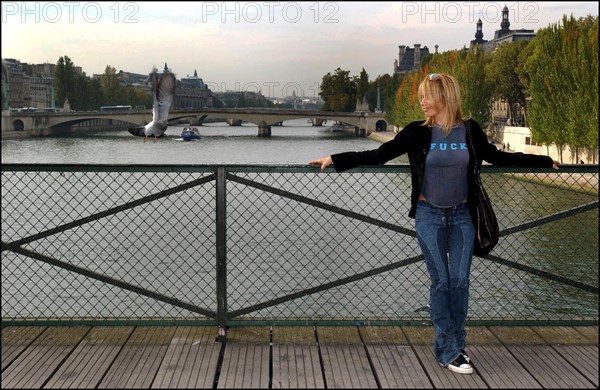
(441, 166)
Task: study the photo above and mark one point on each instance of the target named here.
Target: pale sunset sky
(275, 47)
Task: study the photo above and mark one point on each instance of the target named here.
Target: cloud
(249, 43)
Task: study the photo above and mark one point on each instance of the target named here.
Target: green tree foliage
(65, 80)
(502, 72)
(468, 67)
(561, 73)
(250, 100)
(338, 91)
(135, 96)
(476, 88)
(387, 89)
(111, 88)
(363, 85)
(88, 94)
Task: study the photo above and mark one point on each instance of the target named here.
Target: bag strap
(471, 146)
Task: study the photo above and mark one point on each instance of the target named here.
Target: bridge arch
(39, 122)
(68, 124)
(18, 125)
(381, 125)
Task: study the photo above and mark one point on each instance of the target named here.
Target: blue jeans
(446, 237)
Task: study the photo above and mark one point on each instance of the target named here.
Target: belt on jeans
(457, 207)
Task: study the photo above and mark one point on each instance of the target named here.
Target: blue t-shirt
(445, 180)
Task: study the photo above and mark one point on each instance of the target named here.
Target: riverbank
(10, 135)
(382, 136)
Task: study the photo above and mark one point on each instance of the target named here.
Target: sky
(276, 48)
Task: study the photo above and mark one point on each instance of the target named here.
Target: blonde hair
(444, 92)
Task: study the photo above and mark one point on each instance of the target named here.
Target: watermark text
(471, 11)
(267, 88)
(271, 12)
(72, 11)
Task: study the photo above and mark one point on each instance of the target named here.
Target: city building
(27, 86)
(500, 111)
(12, 84)
(41, 91)
(410, 59)
(193, 93)
(131, 79)
(32, 86)
(503, 35)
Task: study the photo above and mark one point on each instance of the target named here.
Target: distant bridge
(45, 123)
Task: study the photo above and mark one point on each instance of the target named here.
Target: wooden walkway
(293, 357)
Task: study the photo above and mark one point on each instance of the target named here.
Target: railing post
(221, 241)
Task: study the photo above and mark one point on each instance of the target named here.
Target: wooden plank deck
(293, 357)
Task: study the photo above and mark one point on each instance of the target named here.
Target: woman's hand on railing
(324, 162)
(555, 165)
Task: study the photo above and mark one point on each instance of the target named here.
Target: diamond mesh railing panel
(299, 247)
(165, 245)
(140, 243)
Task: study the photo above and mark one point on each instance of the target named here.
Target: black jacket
(415, 139)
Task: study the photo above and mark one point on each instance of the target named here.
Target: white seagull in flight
(163, 91)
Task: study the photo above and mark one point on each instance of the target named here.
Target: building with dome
(193, 93)
(503, 35)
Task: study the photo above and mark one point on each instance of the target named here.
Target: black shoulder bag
(482, 213)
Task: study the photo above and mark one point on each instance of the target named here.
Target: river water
(307, 244)
(296, 142)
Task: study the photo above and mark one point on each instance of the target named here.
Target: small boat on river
(189, 133)
(339, 126)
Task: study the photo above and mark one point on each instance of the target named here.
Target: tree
(85, 93)
(111, 88)
(561, 74)
(388, 92)
(135, 96)
(476, 88)
(467, 66)
(64, 81)
(363, 85)
(406, 106)
(88, 94)
(502, 71)
(387, 86)
(338, 91)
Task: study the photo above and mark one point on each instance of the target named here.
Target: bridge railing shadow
(261, 244)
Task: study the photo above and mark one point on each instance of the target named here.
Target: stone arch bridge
(46, 123)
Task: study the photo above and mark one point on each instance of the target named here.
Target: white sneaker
(460, 366)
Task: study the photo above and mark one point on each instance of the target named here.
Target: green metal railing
(255, 244)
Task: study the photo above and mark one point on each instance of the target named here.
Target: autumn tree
(468, 67)
(406, 106)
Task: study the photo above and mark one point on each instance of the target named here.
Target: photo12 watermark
(267, 88)
(269, 12)
(71, 12)
(471, 11)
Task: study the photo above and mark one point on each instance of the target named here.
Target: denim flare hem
(446, 237)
